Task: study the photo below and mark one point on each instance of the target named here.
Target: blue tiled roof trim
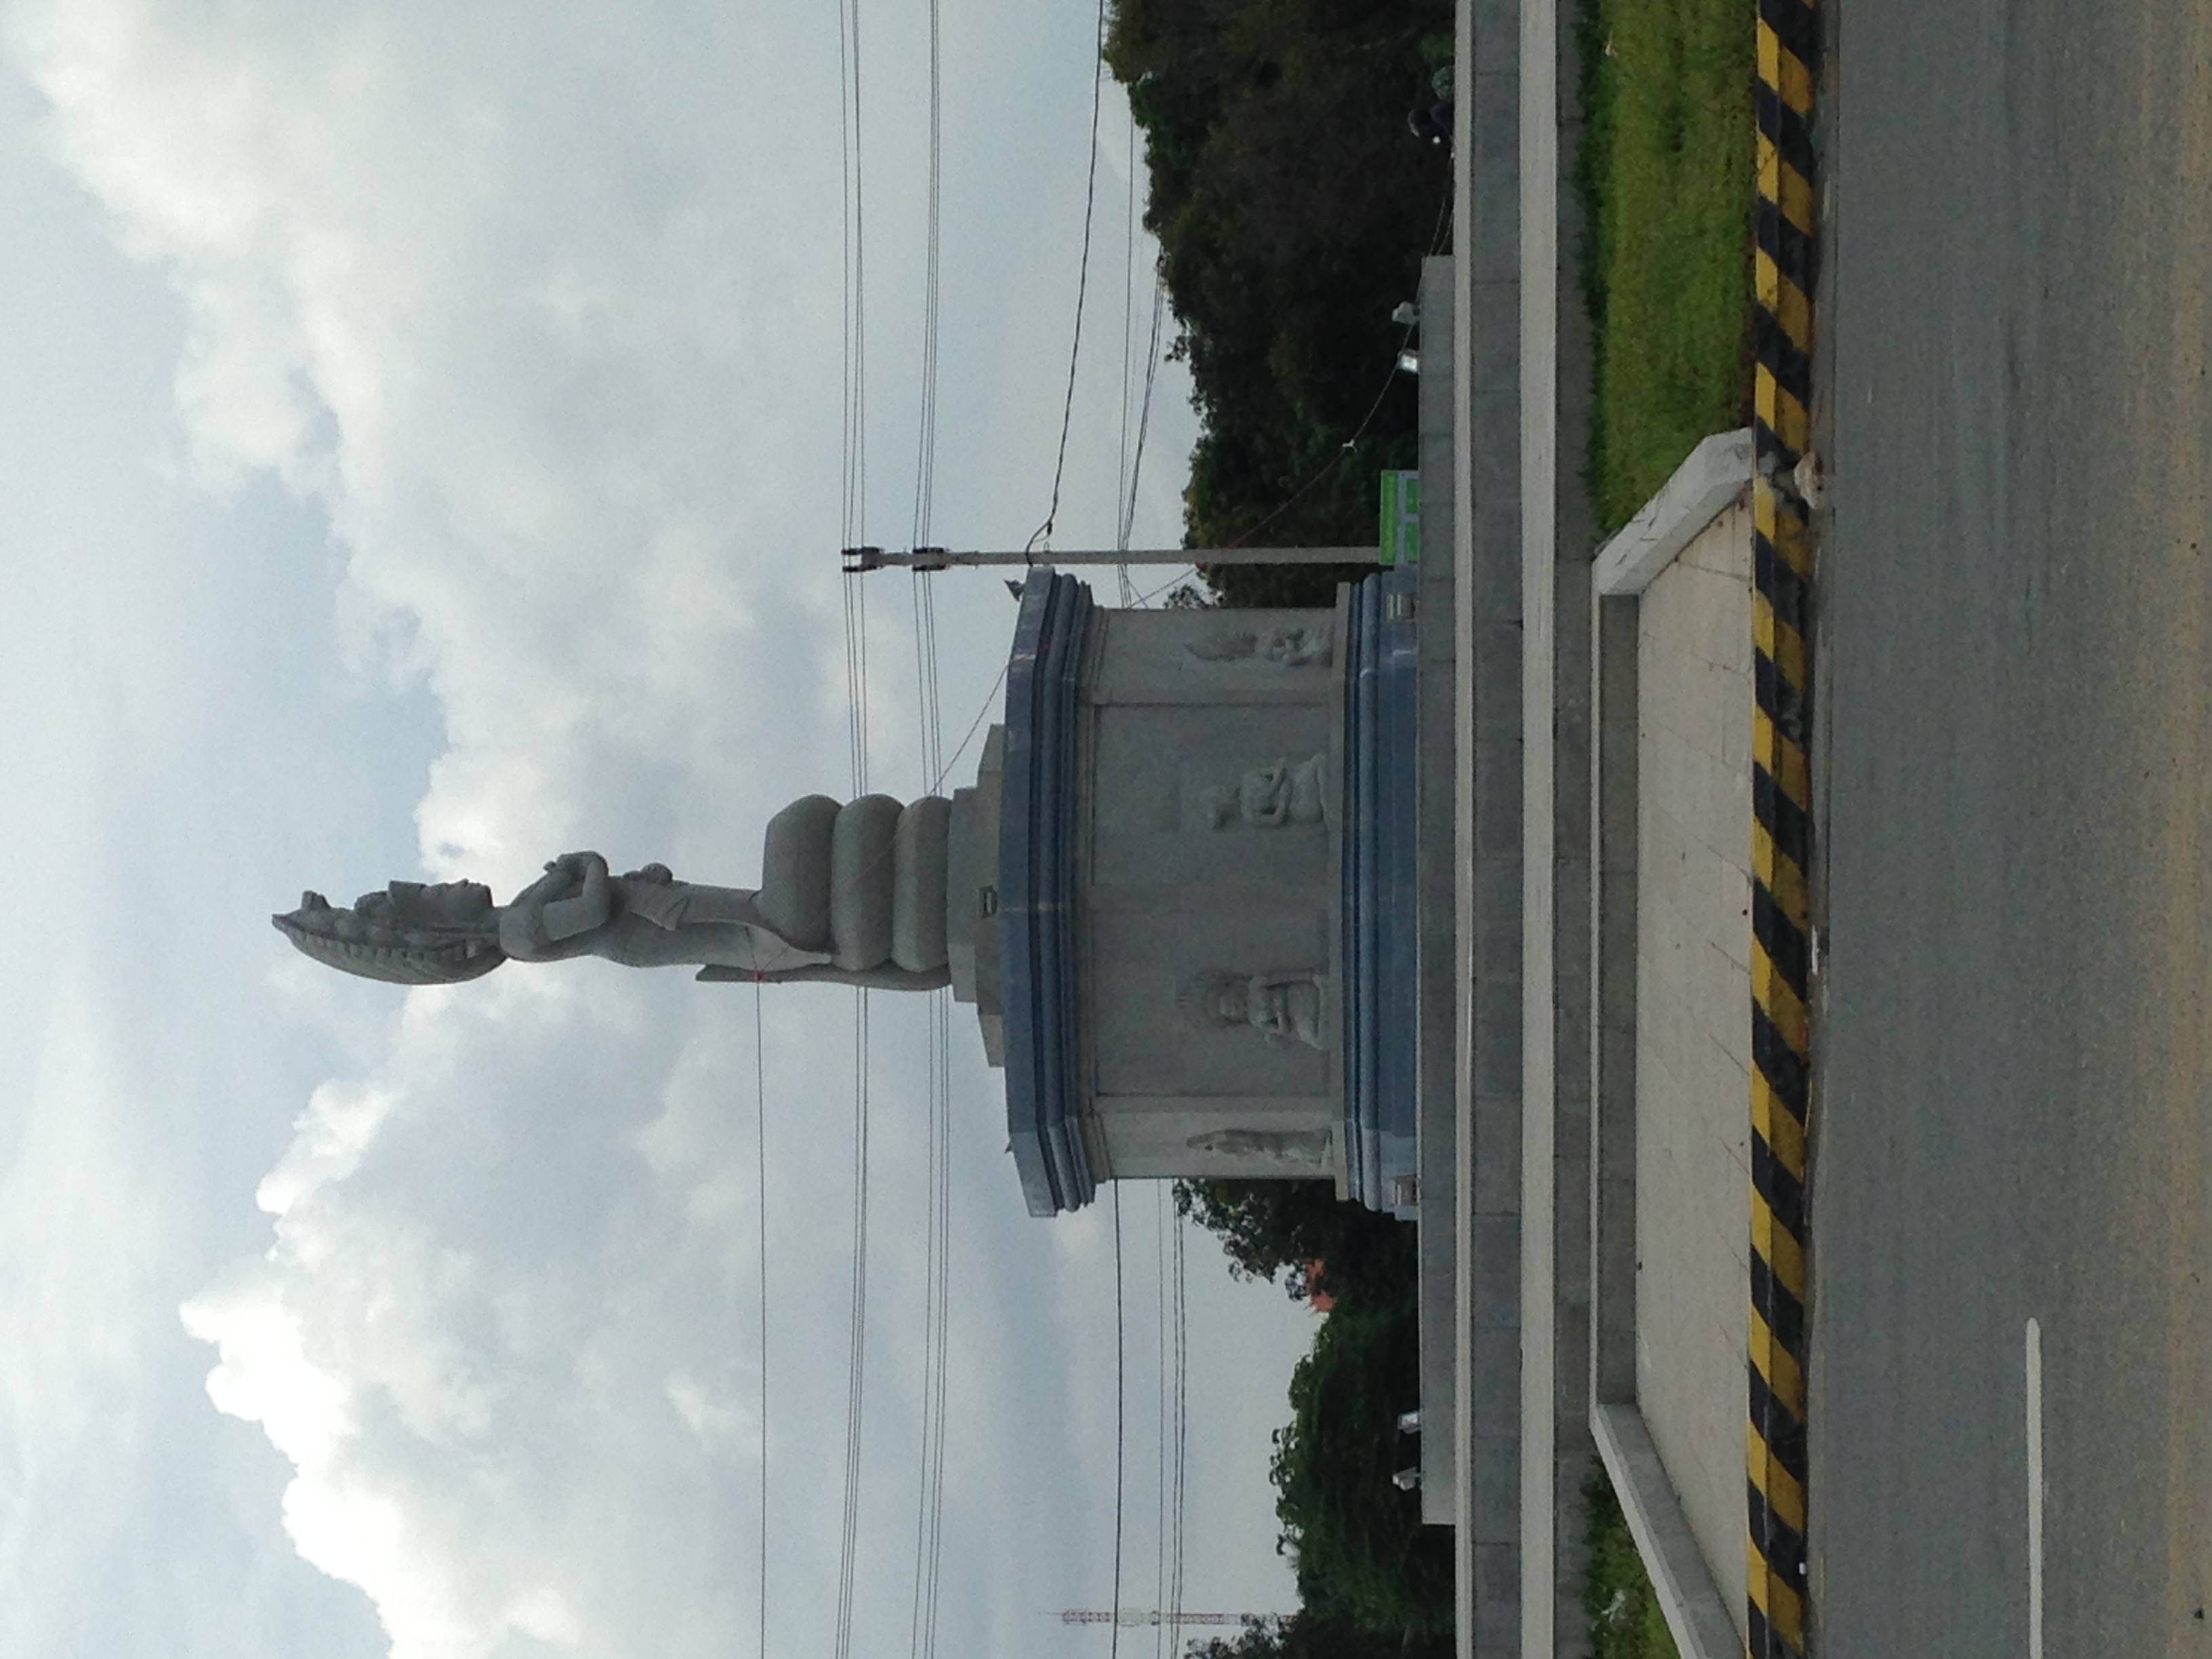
(1036, 883)
(1360, 1083)
(1382, 935)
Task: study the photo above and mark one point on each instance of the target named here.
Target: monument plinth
(1151, 887)
(1148, 869)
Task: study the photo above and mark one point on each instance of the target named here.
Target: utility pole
(1146, 1618)
(859, 559)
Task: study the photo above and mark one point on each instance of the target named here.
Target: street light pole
(859, 559)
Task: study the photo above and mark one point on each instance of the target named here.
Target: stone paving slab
(1694, 989)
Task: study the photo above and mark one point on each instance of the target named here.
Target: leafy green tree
(1275, 1229)
(1315, 1636)
(1363, 1556)
(1293, 208)
(1369, 1573)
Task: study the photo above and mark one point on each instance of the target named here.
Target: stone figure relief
(1281, 795)
(803, 924)
(1304, 1148)
(1291, 645)
(1283, 1006)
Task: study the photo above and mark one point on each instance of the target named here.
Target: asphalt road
(2015, 751)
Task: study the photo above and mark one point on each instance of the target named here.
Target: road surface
(2015, 751)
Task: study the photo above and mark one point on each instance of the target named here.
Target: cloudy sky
(422, 457)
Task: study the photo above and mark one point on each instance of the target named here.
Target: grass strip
(1624, 1619)
(1665, 177)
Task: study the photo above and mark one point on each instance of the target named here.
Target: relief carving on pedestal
(1280, 794)
(1291, 645)
(1284, 1006)
(1307, 1148)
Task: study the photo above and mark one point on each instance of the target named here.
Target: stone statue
(851, 895)
(1284, 1007)
(1279, 795)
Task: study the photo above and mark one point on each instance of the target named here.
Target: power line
(854, 509)
(930, 1529)
(1190, 573)
(856, 1374)
(1121, 1422)
(760, 1195)
(1181, 1411)
(1142, 1618)
(1043, 532)
(925, 446)
(1128, 591)
(1145, 410)
(936, 1296)
(1160, 1350)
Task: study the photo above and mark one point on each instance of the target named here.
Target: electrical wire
(1042, 535)
(1183, 574)
(930, 1528)
(1128, 591)
(853, 505)
(1144, 412)
(1161, 1631)
(925, 469)
(760, 1207)
(1121, 1422)
(856, 1374)
(937, 1268)
(1181, 1412)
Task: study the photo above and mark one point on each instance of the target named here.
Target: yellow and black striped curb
(1782, 329)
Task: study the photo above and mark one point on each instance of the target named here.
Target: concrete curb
(1696, 1616)
(1701, 489)
(1712, 476)
(1559, 538)
(1485, 1148)
(1789, 38)
(1540, 875)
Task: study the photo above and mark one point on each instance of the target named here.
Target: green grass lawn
(1666, 178)
(1625, 1622)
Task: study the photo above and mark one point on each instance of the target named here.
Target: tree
(1292, 208)
(1275, 1230)
(1367, 1568)
(1364, 1558)
(1316, 1636)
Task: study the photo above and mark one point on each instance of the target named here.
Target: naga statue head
(411, 933)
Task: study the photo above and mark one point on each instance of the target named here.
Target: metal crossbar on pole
(859, 559)
(1144, 1618)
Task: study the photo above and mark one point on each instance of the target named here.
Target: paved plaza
(1694, 984)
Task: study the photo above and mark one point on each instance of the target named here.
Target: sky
(422, 457)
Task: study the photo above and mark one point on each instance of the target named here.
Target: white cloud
(342, 1117)
(487, 1393)
(504, 317)
(538, 309)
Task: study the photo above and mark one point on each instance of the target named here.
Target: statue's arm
(573, 898)
(587, 907)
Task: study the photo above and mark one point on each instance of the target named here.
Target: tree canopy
(1293, 208)
(1367, 1568)
(1363, 1556)
(1275, 1230)
(1315, 1636)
